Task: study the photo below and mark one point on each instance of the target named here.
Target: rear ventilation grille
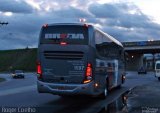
(73, 55)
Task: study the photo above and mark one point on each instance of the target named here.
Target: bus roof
(80, 24)
(110, 37)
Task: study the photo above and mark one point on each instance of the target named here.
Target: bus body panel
(107, 69)
(64, 68)
(67, 89)
(64, 64)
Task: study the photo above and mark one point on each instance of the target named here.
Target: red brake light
(89, 70)
(39, 69)
(63, 43)
(88, 75)
(45, 25)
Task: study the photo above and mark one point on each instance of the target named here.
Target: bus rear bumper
(66, 89)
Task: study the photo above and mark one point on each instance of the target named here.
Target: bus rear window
(70, 34)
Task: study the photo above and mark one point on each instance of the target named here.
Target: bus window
(63, 33)
(158, 66)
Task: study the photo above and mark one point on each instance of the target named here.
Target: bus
(78, 59)
(157, 70)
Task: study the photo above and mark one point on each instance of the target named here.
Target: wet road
(16, 93)
(145, 98)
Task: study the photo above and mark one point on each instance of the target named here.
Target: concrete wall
(134, 62)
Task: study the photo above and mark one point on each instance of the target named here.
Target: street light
(150, 40)
(82, 20)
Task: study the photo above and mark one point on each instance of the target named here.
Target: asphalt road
(145, 98)
(20, 95)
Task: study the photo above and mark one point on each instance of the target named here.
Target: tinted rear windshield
(71, 34)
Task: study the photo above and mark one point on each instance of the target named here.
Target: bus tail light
(88, 74)
(39, 70)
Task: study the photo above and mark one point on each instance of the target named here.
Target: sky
(126, 20)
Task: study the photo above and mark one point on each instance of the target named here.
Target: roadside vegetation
(2, 79)
(19, 59)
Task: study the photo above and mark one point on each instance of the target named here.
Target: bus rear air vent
(72, 55)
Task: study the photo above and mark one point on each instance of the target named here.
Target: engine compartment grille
(63, 55)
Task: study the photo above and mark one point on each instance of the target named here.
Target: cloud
(104, 10)
(71, 12)
(15, 6)
(119, 14)
(24, 30)
(124, 21)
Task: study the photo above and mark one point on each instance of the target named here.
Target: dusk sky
(126, 20)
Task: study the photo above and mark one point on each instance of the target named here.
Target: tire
(119, 86)
(159, 78)
(123, 80)
(104, 94)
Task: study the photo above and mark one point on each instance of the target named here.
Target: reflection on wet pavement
(117, 106)
(145, 99)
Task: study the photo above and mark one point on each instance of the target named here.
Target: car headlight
(13, 74)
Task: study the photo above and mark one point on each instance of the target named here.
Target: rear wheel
(119, 86)
(123, 79)
(159, 78)
(105, 92)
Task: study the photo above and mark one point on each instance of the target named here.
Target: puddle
(117, 106)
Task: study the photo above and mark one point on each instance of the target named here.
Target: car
(142, 70)
(18, 74)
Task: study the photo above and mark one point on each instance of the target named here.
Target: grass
(20, 59)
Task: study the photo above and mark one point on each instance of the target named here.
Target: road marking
(17, 90)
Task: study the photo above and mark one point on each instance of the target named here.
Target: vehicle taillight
(89, 70)
(45, 25)
(39, 70)
(86, 25)
(88, 74)
(63, 43)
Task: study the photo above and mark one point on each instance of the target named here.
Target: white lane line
(17, 90)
